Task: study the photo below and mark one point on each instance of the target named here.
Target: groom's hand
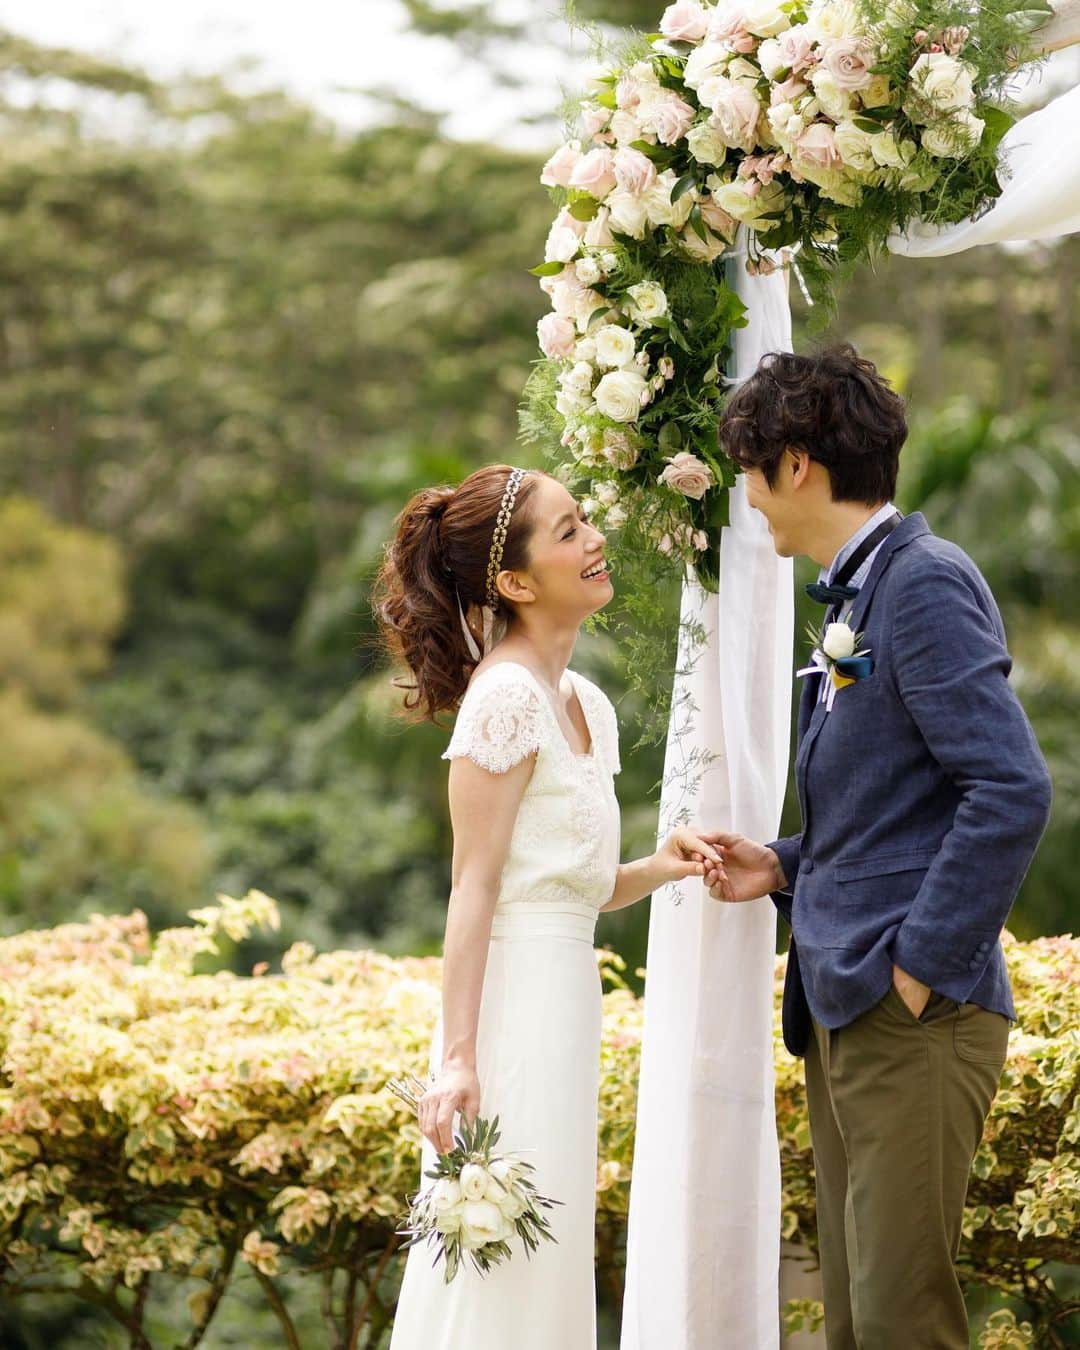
(752, 869)
(914, 993)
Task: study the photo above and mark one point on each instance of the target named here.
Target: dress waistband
(536, 919)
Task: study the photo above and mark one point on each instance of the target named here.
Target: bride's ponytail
(438, 558)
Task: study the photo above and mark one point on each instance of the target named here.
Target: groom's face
(780, 504)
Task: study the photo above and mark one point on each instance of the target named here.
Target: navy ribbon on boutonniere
(854, 667)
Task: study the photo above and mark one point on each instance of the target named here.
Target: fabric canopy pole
(703, 1248)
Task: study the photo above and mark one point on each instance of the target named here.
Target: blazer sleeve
(787, 850)
(951, 669)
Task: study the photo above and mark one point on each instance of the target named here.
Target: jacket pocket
(884, 864)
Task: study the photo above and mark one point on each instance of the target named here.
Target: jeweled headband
(498, 539)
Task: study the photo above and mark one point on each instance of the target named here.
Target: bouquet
(803, 127)
(478, 1200)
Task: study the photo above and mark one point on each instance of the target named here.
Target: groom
(923, 796)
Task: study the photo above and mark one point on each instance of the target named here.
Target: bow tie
(830, 595)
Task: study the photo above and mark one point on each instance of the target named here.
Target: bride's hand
(454, 1089)
(686, 853)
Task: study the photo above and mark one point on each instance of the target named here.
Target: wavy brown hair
(440, 551)
(835, 405)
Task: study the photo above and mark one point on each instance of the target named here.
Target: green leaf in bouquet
(697, 221)
(607, 99)
(596, 314)
(547, 269)
(682, 186)
(677, 334)
(865, 124)
(584, 207)
(670, 439)
(998, 121)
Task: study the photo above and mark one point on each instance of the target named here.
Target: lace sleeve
(499, 724)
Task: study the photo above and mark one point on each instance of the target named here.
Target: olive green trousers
(897, 1107)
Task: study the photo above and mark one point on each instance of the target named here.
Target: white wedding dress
(538, 1038)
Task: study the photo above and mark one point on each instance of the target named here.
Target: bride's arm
(682, 854)
(483, 808)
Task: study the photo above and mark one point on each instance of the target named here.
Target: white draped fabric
(704, 1237)
(1040, 196)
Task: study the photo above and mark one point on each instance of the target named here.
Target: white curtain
(704, 1238)
(1040, 199)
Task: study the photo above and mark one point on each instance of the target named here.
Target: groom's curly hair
(835, 406)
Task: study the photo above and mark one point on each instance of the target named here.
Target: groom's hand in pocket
(914, 993)
(751, 869)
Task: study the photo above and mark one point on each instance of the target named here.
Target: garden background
(234, 336)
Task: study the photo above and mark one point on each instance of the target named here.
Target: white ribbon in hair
(492, 631)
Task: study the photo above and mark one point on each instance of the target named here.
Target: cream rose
(889, 152)
(473, 1181)
(956, 137)
(939, 83)
(618, 451)
(705, 144)
(634, 172)
(614, 346)
(667, 115)
(594, 172)
(607, 494)
(598, 230)
(687, 474)
(835, 102)
(685, 21)
(704, 63)
(853, 146)
(556, 172)
(615, 517)
(834, 19)
(556, 336)
(838, 641)
(625, 128)
(588, 271)
(627, 214)
(764, 18)
(481, 1223)
(648, 302)
(877, 93)
(660, 208)
(736, 111)
(561, 244)
(619, 395)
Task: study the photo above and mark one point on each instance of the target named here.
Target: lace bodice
(564, 849)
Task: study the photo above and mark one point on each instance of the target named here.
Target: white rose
(838, 641)
(561, 244)
(854, 147)
(619, 395)
(579, 379)
(607, 494)
(659, 207)
(588, 303)
(705, 62)
(834, 19)
(614, 346)
(706, 144)
(956, 137)
(481, 1223)
(889, 152)
(625, 127)
(627, 214)
(615, 518)
(449, 1220)
(942, 82)
(585, 350)
(750, 208)
(684, 21)
(649, 301)
(473, 1181)
(609, 262)
(588, 271)
(445, 1194)
(771, 58)
(764, 18)
(570, 401)
(835, 102)
(513, 1207)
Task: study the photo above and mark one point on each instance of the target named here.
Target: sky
(319, 49)
(323, 48)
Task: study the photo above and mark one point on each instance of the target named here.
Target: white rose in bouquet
(584, 349)
(748, 207)
(705, 63)
(706, 144)
(764, 18)
(736, 111)
(561, 244)
(939, 83)
(588, 271)
(445, 1194)
(556, 172)
(838, 641)
(588, 303)
(669, 116)
(598, 231)
(614, 346)
(570, 401)
(473, 1181)
(771, 59)
(615, 518)
(607, 494)
(684, 21)
(854, 146)
(634, 172)
(659, 207)
(649, 302)
(956, 137)
(848, 60)
(834, 19)
(835, 102)
(625, 127)
(483, 1222)
(627, 214)
(620, 395)
(556, 336)
(889, 152)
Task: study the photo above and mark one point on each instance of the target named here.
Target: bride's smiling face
(566, 573)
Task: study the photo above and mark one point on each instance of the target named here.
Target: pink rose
(594, 173)
(796, 49)
(787, 92)
(557, 171)
(598, 231)
(628, 93)
(668, 115)
(565, 291)
(556, 336)
(736, 111)
(718, 219)
(687, 474)
(729, 27)
(634, 172)
(595, 120)
(685, 21)
(817, 146)
(848, 60)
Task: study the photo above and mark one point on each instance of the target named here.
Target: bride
(536, 858)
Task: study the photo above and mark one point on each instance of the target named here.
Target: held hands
(455, 1089)
(686, 853)
(749, 870)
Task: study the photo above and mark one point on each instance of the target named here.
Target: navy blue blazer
(923, 794)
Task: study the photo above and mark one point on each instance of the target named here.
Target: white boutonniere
(837, 653)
